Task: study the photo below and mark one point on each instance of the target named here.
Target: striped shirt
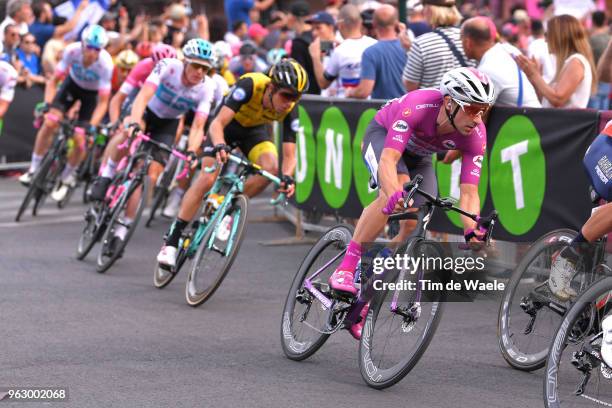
(430, 58)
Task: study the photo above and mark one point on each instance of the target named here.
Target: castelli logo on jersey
(400, 126)
(477, 161)
(398, 138)
(449, 144)
(407, 112)
(427, 105)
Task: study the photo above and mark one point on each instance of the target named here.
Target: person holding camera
(382, 63)
(344, 63)
(324, 28)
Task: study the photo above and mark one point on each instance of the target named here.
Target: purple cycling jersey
(411, 125)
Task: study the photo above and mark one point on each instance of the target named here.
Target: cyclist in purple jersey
(399, 143)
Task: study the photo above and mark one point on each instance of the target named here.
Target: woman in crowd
(575, 79)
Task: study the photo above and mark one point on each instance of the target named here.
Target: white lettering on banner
(333, 157)
(455, 192)
(512, 154)
(302, 164)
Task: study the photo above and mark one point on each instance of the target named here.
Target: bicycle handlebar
(483, 223)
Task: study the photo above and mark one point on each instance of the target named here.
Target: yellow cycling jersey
(246, 99)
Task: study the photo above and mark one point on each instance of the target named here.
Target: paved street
(116, 341)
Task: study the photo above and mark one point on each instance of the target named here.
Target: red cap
(257, 29)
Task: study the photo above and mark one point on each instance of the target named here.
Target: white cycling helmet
(468, 86)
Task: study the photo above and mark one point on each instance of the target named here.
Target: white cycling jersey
(8, 80)
(96, 77)
(172, 98)
(221, 88)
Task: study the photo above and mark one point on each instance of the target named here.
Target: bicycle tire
(162, 190)
(239, 203)
(559, 345)
(87, 242)
(104, 265)
(372, 373)
(523, 360)
(295, 347)
(35, 184)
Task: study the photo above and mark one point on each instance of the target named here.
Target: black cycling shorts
(373, 145)
(256, 139)
(161, 130)
(69, 93)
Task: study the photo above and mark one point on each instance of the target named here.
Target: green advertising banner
(531, 174)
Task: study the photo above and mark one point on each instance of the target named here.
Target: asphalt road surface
(116, 341)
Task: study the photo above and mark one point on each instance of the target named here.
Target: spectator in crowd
(247, 61)
(278, 21)
(239, 10)
(523, 25)
(433, 54)
(604, 66)
(52, 54)
(257, 33)
(382, 63)
(512, 88)
(333, 7)
(324, 28)
(108, 21)
(538, 49)
(158, 30)
(177, 27)
(27, 56)
(300, 10)
(600, 35)
(10, 43)
(575, 77)
(18, 12)
(345, 61)
(43, 28)
(416, 19)
(237, 34)
(367, 25)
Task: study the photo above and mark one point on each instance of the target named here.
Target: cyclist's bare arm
(140, 104)
(196, 133)
(217, 126)
(289, 158)
(51, 87)
(599, 224)
(470, 202)
(387, 173)
(114, 109)
(100, 111)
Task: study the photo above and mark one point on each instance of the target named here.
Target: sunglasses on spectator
(27, 42)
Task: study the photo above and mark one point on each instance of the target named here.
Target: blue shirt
(384, 63)
(31, 62)
(42, 32)
(238, 10)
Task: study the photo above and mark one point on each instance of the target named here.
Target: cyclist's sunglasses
(290, 96)
(197, 66)
(91, 47)
(475, 109)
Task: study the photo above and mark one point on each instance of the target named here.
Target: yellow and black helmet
(126, 59)
(288, 73)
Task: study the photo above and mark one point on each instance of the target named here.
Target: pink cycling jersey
(138, 76)
(411, 125)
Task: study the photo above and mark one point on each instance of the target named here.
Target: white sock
(68, 170)
(122, 230)
(178, 192)
(110, 169)
(35, 163)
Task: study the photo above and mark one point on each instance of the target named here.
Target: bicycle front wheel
(529, 313)
(37, 185)
(110, 252)
(305, 322)
(576, 375)
(400, 323)
(217, 252)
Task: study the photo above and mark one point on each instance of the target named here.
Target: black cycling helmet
(288, 73)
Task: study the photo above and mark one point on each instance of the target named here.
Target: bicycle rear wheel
(575, 373)
(91, 232)
(107, 255)
(162, 189)
(217, 253)
(529, 314)
(400, 324)
(305, 320)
